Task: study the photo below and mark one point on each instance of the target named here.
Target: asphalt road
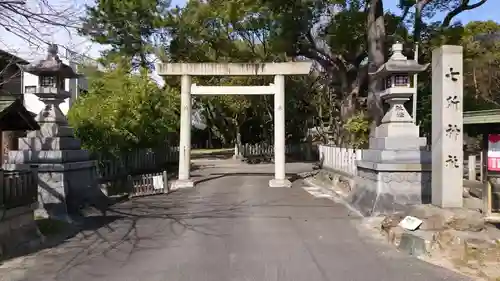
(232, 227)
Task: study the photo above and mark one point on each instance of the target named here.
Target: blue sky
(488, 11)
(8, 42)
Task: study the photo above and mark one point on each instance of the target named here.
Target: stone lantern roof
(51, 66)
(398, 64)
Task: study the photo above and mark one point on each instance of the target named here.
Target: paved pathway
(231, 227)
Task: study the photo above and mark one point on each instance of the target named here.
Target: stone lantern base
(67, 177)
(62, 187)
(385, 188)
(393, 174)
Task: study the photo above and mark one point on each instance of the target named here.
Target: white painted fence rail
(263, 149)
(344, 160)
(339, 158)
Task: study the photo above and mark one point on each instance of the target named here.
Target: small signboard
(158, 182)
(410, 223)
(494, 152)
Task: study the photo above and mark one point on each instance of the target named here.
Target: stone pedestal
(384, 188)
(66, 176)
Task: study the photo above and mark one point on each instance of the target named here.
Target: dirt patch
(459, 239)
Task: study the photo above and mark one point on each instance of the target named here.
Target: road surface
(231, 227)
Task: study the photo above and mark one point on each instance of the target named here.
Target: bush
(123, 111)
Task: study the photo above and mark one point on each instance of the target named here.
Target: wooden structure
(11, 83)
(19, 187)
(487, 122)
(14, 117)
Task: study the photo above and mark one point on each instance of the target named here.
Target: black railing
(18, 188)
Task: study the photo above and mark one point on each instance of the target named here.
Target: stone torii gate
(278, 70)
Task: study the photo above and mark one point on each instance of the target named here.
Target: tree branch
(461, 8)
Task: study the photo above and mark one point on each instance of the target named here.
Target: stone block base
(280, 183)
(179, 184)
(64, 188)
(389, 188)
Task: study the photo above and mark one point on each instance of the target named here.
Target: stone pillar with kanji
(447, 126)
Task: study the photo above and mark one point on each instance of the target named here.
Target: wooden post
(166, 188)
(1, 147)
(472, 167)
(1, 185)
(482, 167)
(486, 194)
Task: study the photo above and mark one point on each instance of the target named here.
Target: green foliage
(482, 66)
(358, 128)
(335, 34)
(123, 111)
(131, 27)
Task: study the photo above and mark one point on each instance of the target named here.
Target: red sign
(494, 152)
(494, 164)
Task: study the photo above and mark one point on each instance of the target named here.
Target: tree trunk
(376, 56)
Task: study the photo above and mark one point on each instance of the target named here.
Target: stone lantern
(398, 88)
(52, 74)
(66, 175)
(395, 171)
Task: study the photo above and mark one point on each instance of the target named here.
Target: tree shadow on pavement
(129, 227)
(51, 233)
(292, 177)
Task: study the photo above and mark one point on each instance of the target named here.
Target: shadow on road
(213, 176)
(138, 225)
(52, 233)
(151, 223)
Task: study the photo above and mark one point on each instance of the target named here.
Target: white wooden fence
(339, 158)
(344, 160)
(299, 150)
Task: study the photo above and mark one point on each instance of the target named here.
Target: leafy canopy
(122, 111)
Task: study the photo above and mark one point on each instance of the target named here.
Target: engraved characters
(453, 131)
(452, 162)
(453, 75)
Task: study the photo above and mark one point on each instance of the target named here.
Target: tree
(235, 31)
(305, 29)
(346, 39)
(131, 27)
(123, 111)
(36, 21)
(481, 66)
